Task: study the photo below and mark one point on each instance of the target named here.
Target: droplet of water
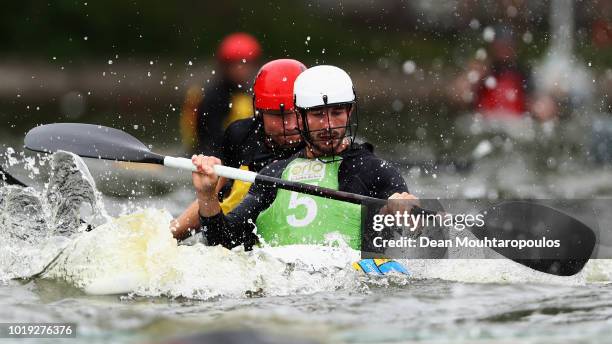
(481, 54)
(474, 24)
(488, 34)
(528, 37)
(409, 67)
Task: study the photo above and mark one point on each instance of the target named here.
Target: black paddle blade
(90, 141)
(543, 225)
(9, 179)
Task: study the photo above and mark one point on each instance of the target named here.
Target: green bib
(296, 218)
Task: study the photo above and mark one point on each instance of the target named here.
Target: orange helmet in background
(237, 47)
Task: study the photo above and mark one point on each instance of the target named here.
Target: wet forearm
(187, 222)
(208, 205)
(236, 228)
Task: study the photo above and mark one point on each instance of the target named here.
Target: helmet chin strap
(312, 146)
(316, 152)
(333, 150)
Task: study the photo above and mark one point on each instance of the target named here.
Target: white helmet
(322, 86)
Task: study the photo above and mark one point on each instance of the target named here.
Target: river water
(127, 281)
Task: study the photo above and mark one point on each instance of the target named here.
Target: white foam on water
(136, 254)
(598, 271)
(486, 266)
(487, 271)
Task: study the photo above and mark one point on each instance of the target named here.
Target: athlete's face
(239, 72)
(327, 127)
(282, 129)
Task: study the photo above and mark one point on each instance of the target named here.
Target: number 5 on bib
(296, 200)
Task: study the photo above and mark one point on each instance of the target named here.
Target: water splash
(35, 226)
(137, 254)
(20, 214)
(71, 187)
(561, 73)
(23, 233)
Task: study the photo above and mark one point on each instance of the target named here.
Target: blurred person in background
(205, 117)
(496, 85)
(601, 28)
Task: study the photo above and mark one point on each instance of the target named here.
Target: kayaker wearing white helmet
(325, 100)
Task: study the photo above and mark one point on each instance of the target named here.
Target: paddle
(507, 220)
(99, 142)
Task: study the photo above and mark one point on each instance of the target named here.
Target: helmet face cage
(350, 130)
(326, 87)
(273, 96)
(285, 134)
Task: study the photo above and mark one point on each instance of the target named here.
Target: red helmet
(273, 89)
(238, 46)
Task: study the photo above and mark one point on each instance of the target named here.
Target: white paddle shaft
(222, 171)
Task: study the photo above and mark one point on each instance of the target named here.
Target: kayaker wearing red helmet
(272, 134)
